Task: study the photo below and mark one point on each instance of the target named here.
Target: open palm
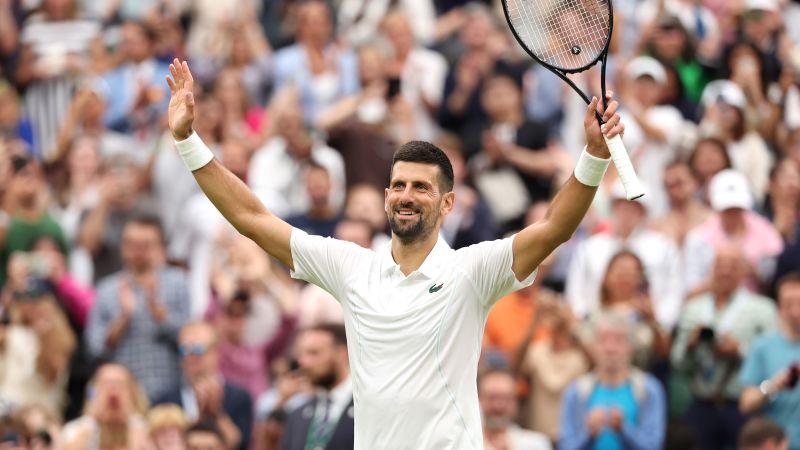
(181, 104)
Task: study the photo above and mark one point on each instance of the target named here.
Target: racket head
(566, 35)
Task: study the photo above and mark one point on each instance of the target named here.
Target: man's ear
(448, 202)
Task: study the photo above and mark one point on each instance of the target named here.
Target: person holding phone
(772, 367)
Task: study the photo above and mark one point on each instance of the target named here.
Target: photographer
(771, 369)
(714, 333)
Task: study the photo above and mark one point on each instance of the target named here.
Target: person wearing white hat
(652, 135)
(724, 115)
(733, 221)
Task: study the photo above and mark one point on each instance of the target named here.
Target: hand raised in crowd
(150, 286)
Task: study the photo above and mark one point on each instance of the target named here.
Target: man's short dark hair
(336, 330)
(149, 220)
(206, 426)
(759, 431)
(427, 153)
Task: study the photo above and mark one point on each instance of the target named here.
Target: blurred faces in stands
(322, 357)
(198, 344)
(136, 42)
(612, 338)
(314, 26)
(680, 184)
(142, 248)
(498, 399)
(366, 202)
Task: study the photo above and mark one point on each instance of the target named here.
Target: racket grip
(630, 181)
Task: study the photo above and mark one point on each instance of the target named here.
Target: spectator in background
(725, 105)
(38, 344)
(733, 221)
(167, 425)
(669, 41)
(550, 363)
(782, 205)
(101, 228)
(365, 202)
(760, 24)
(26, 202)
(686, 210)
(13, 125)
(615, 406)
(113, 416)
(470, 221)
(650, 129)
(320, 218)
(461, 100)
(625, 291)
(242, 118)
(714, 332)
(709, 157)
(50, 70)
(513, 158)
(762, 434)
(86, 117)
(772, 366)
(321, 71)
(657, 252)
(140, 309)
(285, 158)
(420, 72)
(496, 394)
(204, 394)
(137, 83)
(326, 421)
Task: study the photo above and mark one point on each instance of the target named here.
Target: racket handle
(630, 181)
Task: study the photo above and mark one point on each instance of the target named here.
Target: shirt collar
(429, 268)
(342, 393)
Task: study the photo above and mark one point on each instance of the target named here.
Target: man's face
(627, 215)
(358, 232)
(789, 305)
(413, 201)
(497, 400)
(399, 33)
(613, 347)
(679, 184)
(199, 352)
(317, 354)
(728, 269)
(501, 96)
(318, 186)
(113, 400)
(134, 43)
(141, 246)
(314, 23)
(203, 440)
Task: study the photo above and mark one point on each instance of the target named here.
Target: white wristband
(590, 169)
(194, 152)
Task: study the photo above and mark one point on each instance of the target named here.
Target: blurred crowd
(133, 317)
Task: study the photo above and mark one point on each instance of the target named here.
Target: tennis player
(415, 311)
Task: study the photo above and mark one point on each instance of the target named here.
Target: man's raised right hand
(181, 104)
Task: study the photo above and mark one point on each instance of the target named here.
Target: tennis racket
(570, 36)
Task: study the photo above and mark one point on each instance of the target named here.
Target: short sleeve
(326, 262)
(488, 265)
(752, 372)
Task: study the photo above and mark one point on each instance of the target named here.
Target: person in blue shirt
(617, 406)
(772, 366)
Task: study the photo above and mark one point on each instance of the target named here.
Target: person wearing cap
(628, 230)
(725, 116)
(651, 135)
(733, 221)
(713, 336)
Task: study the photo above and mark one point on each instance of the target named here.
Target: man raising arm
(227, 192)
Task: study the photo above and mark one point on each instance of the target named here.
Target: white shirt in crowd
(522, 439)
(661, 261)
(278, 179)
(414, 341)
(422, 79)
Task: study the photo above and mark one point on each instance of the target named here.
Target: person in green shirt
(26, 206)
(713, 335)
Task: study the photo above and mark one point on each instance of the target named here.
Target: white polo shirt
(414, 342)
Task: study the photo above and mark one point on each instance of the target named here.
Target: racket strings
(567, 34)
